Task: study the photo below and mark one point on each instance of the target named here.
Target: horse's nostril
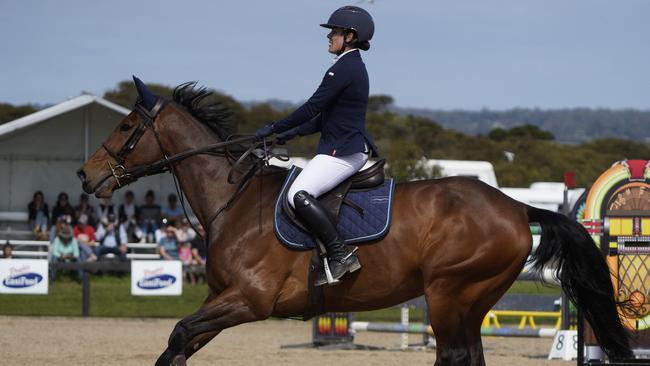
(81, 175)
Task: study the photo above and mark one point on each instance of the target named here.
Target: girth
(332, 200)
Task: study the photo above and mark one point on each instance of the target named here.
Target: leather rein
(257, 151)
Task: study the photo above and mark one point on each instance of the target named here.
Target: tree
(10, 112)
(379, 103)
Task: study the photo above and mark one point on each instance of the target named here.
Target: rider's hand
(264, 131)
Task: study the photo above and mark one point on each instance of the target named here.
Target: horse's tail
(583, 275)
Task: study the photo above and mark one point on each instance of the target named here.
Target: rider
(338, 110)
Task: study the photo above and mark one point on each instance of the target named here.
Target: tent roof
(58, 109)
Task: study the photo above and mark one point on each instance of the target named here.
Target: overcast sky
(448, 54)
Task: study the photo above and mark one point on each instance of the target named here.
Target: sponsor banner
(24, 276)
(155, 278)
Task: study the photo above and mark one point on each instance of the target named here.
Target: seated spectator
(112, 238)
(199, 250)
(128, 210)
(132, 230)
(39, 215)
(173, 211)
(104, 209)
(85, 236)
(150, 216)
(62, 207)
(185, 232)
(168, 244)
(85, 208)
(185, 256)
(7, 251)
(65, 247)
(61, 222)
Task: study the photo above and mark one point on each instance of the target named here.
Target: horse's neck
(202, 178)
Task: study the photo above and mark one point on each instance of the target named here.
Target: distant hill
(568, 125)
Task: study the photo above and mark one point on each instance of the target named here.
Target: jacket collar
(345, 53)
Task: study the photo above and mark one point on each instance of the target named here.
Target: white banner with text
(24, 276)
(156, 278)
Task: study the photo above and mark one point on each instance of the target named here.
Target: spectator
(185, 255)
(85, 236)
(61, 222)
(104, 209)
(150, 216)
(133, 232)
(85, 208)
(39, 214)
(7, 251)
(112, 238)
(128, 210)
(62, 207)
(65, 247)
(185, 232)
(168, 244)
(173, 211)
(199, 251)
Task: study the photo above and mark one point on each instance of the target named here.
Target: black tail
(584, 276)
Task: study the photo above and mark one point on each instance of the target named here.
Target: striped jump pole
(419, 328)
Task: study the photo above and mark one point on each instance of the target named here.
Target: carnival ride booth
(617, 215)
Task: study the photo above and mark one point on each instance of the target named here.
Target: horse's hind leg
(457, 332)
(193, 332)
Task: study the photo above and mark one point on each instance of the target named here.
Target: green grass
(110, 296)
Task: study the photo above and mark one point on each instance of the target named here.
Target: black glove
(265, 131)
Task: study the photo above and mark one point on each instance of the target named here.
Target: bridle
(124, 176)
(121, 174)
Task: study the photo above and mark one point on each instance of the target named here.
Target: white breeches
(325, 172)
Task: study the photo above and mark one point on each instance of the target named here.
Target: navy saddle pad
(353, 227)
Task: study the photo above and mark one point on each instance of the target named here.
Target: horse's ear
(147, 98)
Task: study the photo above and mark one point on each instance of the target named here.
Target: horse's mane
(214, 114)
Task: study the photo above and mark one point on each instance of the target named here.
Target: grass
(110, 296)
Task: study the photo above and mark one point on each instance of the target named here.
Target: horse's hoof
(179, 361)
(167, 359)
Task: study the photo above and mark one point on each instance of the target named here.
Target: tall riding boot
(341, 259)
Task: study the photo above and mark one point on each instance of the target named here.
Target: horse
(457, 241)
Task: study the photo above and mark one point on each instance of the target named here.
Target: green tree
(379, 103)
(10, 112)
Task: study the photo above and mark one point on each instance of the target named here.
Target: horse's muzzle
(84, 185)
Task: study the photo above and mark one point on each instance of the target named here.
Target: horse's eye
(125, 127)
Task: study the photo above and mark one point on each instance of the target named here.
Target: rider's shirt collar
(343, 54)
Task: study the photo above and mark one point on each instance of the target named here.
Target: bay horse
(457, 241)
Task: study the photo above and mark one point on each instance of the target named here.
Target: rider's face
(336, 40)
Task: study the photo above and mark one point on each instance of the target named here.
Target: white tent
(42, 151)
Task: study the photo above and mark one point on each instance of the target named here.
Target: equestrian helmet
(352, 18)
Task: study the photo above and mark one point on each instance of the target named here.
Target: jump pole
(419, 328)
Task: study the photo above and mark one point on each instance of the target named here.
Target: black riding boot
(315, 219)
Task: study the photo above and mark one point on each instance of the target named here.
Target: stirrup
(328, 272)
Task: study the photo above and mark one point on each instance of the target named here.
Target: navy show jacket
(337, 109)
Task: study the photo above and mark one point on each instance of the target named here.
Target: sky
(437, 54)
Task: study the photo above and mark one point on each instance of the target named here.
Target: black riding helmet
(353, 18)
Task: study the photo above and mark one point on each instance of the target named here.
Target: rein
(124, 176)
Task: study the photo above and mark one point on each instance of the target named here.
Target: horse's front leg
(217, 313)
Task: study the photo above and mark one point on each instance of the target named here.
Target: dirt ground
(102, 341)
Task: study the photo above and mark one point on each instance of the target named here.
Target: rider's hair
(365, 45)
